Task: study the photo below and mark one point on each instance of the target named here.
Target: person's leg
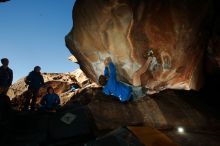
(26, 104)
(138, 92)
(27, 97)
(34, 99)
(137, 75)
(42, 108)
(8, 108)
(5, 108)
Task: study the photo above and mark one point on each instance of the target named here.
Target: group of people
(35, 81)
(111, 86)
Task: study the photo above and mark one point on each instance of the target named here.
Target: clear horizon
(32, 33)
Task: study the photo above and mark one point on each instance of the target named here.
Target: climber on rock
(6, 75)
(51, 101)
(34, 81)
(111, 86)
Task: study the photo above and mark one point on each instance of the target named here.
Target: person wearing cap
(6, 75)
(34, 81)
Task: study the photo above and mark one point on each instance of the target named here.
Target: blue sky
(32, 33)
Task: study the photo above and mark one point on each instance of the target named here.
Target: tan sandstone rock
(124, 30)
(61, 82)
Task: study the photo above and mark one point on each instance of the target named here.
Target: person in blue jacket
(50, 101)
(34, 81)
(111, 86)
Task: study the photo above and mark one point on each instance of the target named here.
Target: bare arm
(107, 61)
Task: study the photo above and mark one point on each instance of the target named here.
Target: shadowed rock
(168, 109)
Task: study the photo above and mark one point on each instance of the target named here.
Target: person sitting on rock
(6, 75)
(74, 86)
(50, 101)
(111, 86)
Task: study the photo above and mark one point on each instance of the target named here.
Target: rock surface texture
(165, 110)
(125, 29)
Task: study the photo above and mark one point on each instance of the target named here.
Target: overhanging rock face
(125, 29)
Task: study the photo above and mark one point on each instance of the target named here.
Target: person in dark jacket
(111, 86)
(5, 106)
(34, 81)
(6, 75)
(50, 101)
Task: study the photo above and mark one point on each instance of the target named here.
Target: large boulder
(124, 30)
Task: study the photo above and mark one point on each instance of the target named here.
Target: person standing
(5, 106)
(34, 81)
(6, 75)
